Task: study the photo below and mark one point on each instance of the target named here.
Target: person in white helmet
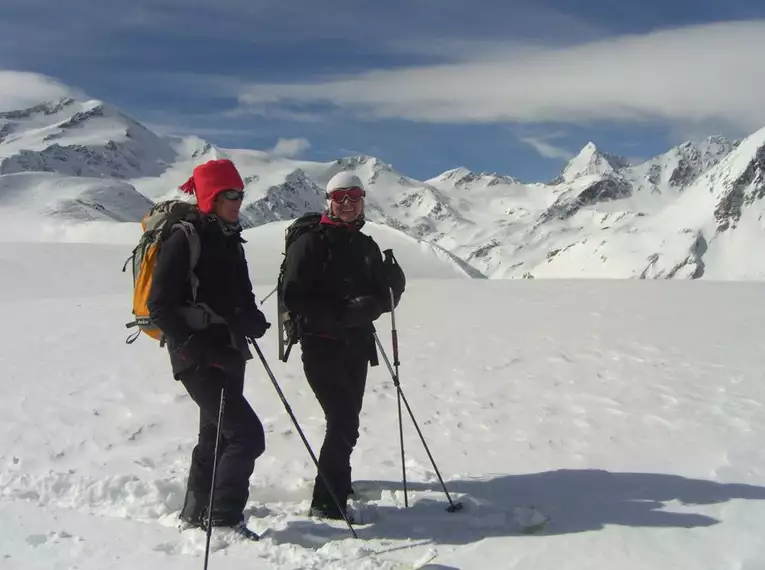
(337, 284)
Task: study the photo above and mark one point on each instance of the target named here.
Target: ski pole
(267, 296)
(396, 380)
(302, 435)
(214, 474)
(400, 421)
(394, 339)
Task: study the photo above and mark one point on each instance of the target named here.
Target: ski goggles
(233, 194)
(353, 194)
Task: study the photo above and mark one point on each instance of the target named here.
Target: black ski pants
(336, 370)
(242, 442)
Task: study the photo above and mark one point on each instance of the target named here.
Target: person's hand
(361, 310)
(249, 324)
(393, 275)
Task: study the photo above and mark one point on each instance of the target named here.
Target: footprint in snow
(36, 540)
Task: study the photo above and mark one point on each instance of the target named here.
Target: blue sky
(504, 86)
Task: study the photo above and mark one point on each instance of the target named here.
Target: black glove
(394, 275)
(361, 310)
(393, 279)
(250, 324)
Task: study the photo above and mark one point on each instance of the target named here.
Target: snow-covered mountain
(72, 198)
(590, 161)
(76, 138)
(674, 170)
(694, 211)
(72, 159)
(286, 201)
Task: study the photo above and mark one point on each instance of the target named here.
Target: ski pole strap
(373, 359)
(290, 344)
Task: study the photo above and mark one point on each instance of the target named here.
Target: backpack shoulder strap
(195, 250)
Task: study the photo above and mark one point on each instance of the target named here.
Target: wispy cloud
(21, 89)
(277, 112)
(290, 148)
(691, 74)
(190, 129)
(545, 148)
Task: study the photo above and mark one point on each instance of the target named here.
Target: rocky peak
(590, 161)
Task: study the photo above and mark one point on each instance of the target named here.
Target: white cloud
(693, 74)
(22, 89)
(545, 148)
(274, 112)
(290, 147)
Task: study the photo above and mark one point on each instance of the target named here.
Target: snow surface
(628, 412)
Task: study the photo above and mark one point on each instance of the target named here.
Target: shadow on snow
(574, 500)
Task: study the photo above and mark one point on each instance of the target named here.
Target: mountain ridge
(603, 216)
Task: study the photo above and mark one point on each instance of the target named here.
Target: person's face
(347, 204)
(227, 205)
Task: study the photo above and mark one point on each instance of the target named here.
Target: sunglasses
(353, 194)
(233, 194)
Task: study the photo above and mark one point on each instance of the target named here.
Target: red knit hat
(210, 179)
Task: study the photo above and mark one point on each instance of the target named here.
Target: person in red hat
(208, 358)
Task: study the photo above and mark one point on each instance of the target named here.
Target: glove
(250, 324)
(394, 278)
(361, 310)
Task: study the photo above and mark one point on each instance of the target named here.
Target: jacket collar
(328, 219)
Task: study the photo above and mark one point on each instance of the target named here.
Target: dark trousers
(337, 372)
(242, 442)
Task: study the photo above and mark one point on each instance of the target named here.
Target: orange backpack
(159, 222)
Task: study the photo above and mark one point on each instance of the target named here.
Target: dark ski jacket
(336, 282)
(224, 286)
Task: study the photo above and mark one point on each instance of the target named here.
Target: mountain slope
(90, 138)
(422, 260)
(674, 170)
(43, 194)
(602, 217)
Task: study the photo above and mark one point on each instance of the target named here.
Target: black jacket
(224, 286)
(335, 281)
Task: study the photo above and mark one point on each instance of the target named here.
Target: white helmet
(344, 180)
